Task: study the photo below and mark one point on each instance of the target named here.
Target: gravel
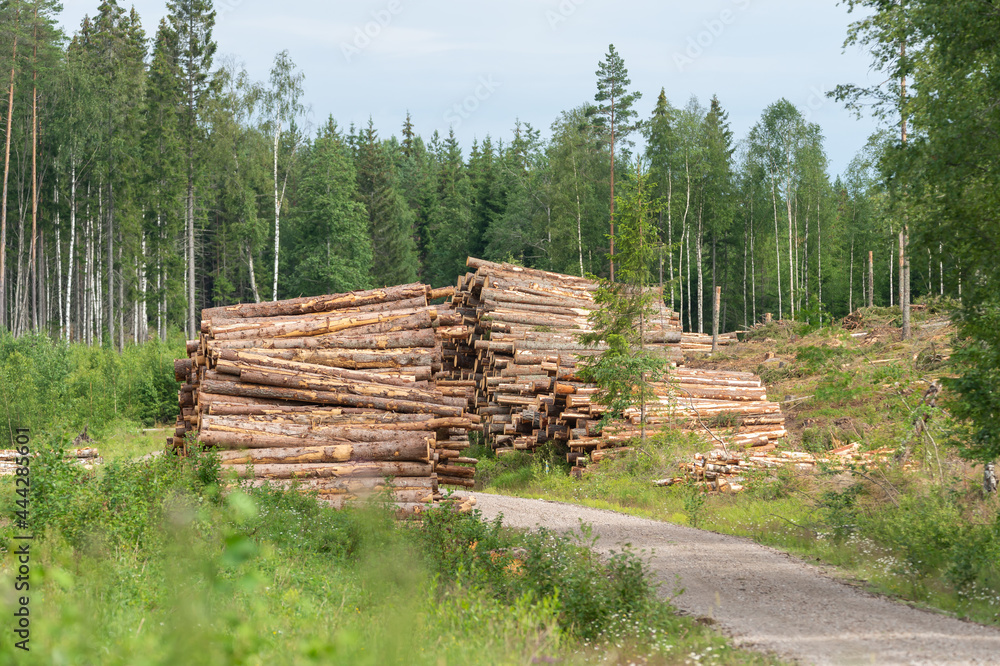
(764, 599)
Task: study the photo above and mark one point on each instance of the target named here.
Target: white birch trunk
(579, 214)
(687, 244)
(277, 214)
(791, 261)
(143, 325)
(192, 323)
(253, 277)
(850, 290)
(670, 232)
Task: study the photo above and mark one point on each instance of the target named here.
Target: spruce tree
(331, 249)
(451, 226)
(163, 162)
(661, 153)
(193, 22)
(718, 184)
(390, 221)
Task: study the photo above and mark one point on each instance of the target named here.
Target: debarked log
(329, 454)
(334, 470)
(327, 398)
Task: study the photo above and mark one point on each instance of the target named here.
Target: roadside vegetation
(151, 562)
(58, 389)
(917, 526)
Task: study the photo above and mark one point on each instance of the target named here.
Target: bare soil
(765, 599)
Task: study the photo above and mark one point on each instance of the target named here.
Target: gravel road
(765, 599)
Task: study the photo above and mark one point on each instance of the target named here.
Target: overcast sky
(477, 66)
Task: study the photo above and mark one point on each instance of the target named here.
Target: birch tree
(283, 108)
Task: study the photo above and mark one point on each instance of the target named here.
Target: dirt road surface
(764, 599)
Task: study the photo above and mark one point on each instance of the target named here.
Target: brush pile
(342, 395)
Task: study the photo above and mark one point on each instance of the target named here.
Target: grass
(921, 532)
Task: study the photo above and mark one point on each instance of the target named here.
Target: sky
(479, 66)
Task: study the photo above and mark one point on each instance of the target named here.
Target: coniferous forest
(145, 178)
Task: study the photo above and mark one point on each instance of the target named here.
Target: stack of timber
(523, 350)
(523, 354)
(702, 342)
(87, 457)
(728, 408)
(726, 471)
(343, 395)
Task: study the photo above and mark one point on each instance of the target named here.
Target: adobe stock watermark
(714, 29)
(224, 7)
(562, 13)
(365, 35)
(818, 98)
(463, 110)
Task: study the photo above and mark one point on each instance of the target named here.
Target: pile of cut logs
(343, 395)
(86, 457)
(339, 393)
(726, 471)
(523, 354)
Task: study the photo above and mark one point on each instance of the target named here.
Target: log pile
(725, 471)
(341, 392)
(343, 395)
(523, 352)
(86, 457)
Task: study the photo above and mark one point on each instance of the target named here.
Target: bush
(53, 387)
(595, 597)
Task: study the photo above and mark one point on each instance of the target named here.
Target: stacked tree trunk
(523, 354)
(728, 471)
(730, 409)
(86, 457)
(343, 395)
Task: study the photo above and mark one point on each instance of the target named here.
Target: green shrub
(53, 387)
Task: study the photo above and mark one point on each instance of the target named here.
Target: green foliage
(694, 503)
(50, 386)
(624, 372)
(974, 394)
(593, 597)
(328, 211)
(624, 376)
(390, 220)
(153, 562)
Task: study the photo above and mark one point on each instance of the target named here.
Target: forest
(145, 178)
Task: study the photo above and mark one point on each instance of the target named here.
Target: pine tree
(617, 112)
(12, 15)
